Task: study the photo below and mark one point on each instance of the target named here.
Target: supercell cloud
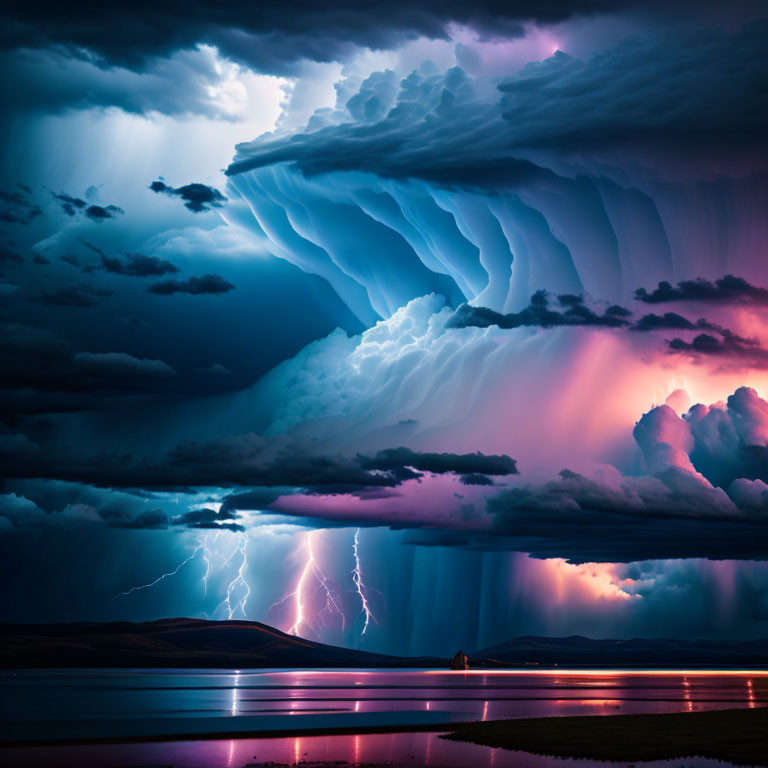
(480, 288)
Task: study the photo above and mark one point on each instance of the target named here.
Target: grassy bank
(736, 735)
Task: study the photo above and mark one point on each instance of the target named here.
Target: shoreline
(738, 736)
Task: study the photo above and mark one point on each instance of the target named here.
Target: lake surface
(77, 705)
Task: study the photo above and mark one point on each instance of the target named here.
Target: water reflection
(209, 694)
(142, 704)
(396, 750)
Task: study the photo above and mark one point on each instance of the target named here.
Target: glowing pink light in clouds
(312, 580)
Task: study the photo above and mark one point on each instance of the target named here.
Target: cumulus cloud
(197, 197)
(728, 289)
(204, 284)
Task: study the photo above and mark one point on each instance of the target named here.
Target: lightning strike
(207, 557)
(162, 576)
(357, 578)
(303, 592)
(232, 606)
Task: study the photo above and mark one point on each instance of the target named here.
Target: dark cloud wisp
(197, 197)
(196, 286)
(727, 289)
(539, 314)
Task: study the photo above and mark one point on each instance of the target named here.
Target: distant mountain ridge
(637, 652)
(248, 644)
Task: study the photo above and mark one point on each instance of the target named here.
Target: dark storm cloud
(72, 206)
(247, 460)
(197, 197)
(204, 284)
(271, 37)
(152, 519)
(538, 314)
(40, 372)
(10, 256)
(255, 499)
(475, 478)
(627, 519)
(667, 321)
(16, 207)
(727, 290)
(71, 296)
(137, 265)
(196, 516)
(679, 91)
(399, 459)
(734, 350)
(675, 322)
(209, 519)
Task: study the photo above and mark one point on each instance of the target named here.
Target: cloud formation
(137, 265)
(538, 314)
(469, 464)
(273, 38)
(71, 296)
(73, 206)
(40, 372)
(726, 290)
(16, 207)
(197, 197)
(668, 91)
(196, 286)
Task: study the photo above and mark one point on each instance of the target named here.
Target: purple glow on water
(179, 705)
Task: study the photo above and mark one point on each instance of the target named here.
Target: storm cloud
(137, 265)
(272, 38)
(539, 314)
(452, 128)
(197, 197)
(728, 289)
(196, 286)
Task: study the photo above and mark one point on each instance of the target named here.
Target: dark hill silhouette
(177, 643)
(249, 644)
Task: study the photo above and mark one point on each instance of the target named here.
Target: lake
(233, 708)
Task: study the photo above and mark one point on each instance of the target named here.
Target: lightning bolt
(300, 596)
(357, 578)
(207, 558)
(162, 576)
(238, 581)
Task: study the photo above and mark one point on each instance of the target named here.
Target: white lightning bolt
(311, 570)
(207, 555)
(357, 577)
(238, 581)
(162, 576)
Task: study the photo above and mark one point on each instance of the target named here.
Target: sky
(404, 327)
